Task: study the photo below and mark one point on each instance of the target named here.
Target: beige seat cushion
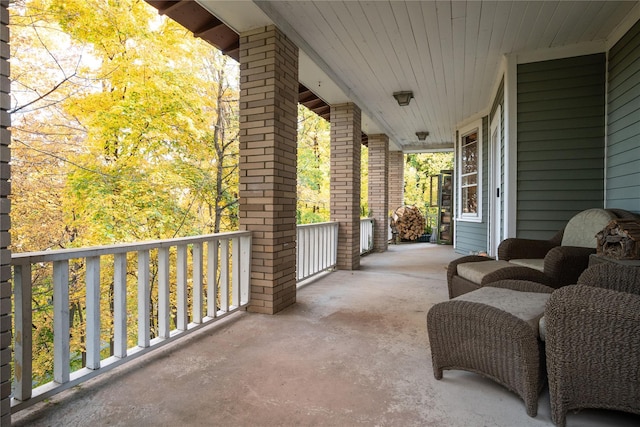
(528, 306)
(536, 264)
(475, 271)
(581, 230)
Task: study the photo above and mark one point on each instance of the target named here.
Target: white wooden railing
(219, 281)
(366, 235)
(317, 248)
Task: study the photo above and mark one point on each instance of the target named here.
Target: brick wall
(379, 189)
(346, 137)
(268, 156)
(396, 179)
(5, 225)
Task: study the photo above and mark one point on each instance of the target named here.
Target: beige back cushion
(582, 228)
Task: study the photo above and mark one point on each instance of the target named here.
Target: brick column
(396, 180)
(379, 189)
(346, 137)
(268, 156)
(5, 224)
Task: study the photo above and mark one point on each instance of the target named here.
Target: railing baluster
(197, 283)
(23, 318)
(144, 299)
(182, 312)
(163, 293)
(120, 305)
(93, 312)
(304, 245)
(224, 275)
(315, 251)
(61, 321)
(235, 272)
(334, 246)
(299, 253)
(212, 278)
(245, 265)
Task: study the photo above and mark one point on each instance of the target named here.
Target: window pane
(469, 158)
(470, 179)
(470, 200)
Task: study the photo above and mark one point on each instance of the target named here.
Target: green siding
(623, 123)
(472, 237)
(561, 135)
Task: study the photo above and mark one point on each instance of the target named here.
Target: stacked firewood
(409, 222)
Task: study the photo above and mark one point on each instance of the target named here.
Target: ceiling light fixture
(403, 98)
(422, 135)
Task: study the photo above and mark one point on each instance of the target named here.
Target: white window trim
(465, 217)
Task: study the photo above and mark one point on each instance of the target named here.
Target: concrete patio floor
(352, 351)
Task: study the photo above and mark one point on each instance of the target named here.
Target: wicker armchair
(565, 258)
(593, 342)
(556, 262)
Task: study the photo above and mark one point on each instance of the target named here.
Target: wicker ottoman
(493, 331)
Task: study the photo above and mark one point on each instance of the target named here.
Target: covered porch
(353, 350)
(350, 347)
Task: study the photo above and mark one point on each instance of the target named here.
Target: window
(469, 189)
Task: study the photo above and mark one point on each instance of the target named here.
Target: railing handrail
(22, 258)
(317, 224)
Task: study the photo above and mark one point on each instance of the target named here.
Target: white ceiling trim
(238, 15)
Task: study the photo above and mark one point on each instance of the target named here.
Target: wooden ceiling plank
(473, 10)
(414, 38)
(530, 20)
(354, 59)
(398, 26)
(458, 22)
(481, 91)
(435, 62)
(615, 16)
(557, 20)
(590, 14)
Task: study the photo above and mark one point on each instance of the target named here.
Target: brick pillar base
(379, 189)
(396, 180)
(268, 157)
(346, 137)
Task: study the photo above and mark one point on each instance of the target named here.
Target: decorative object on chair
(620, 239)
